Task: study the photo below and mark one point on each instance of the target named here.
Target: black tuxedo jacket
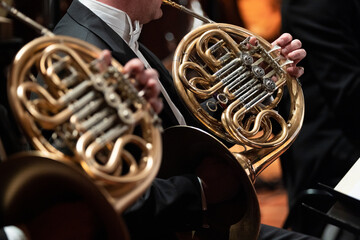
(169, 204)
(328, 143)
(80, 22)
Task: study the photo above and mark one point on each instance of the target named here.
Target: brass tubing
(14, 12)
(188, 11)
(262, 151)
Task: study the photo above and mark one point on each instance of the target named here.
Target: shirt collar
(117, 20)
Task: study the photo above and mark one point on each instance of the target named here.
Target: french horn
(83, 116)
(233, 88)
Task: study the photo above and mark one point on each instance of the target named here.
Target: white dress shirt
(121, 23)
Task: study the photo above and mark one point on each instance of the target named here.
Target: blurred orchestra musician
(126, 46)
(169, 204)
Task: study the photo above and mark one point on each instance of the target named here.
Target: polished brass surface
(233, 88)
(48, 199)
(232, 81)
(94, 117)
(71, 107)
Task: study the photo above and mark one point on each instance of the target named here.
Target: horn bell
(241, 218)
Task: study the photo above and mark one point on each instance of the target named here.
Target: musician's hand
(147, 81)
(291, 49)
(146, 78)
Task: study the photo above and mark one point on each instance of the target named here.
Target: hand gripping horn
(233, 88)
(96, 119)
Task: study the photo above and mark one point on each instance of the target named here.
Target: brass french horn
(95, 119)
(83, 116)
(233, 88)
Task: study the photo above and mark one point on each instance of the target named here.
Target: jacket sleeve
(172, 204)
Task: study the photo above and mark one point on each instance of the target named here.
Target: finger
(283, 40)
(144, 77)
(133, 67)
(106, 56)
(156, 104)
(253, 41)
(297, 55)
(152, 88)
(295, 71)
(103, 61)
(292, 46)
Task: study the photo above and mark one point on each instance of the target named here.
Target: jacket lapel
(122, 52)
(86, 18)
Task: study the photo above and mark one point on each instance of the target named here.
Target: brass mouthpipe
(14, 12)
(188, 11)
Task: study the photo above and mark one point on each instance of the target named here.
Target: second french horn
(233, 88)
(232, 81)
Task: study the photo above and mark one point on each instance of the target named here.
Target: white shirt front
(121, 23)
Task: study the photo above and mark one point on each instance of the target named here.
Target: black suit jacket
(329, 142)
(172, 204)
(80, 22)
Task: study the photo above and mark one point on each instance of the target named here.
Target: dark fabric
(152, 210)
(170, 207)
(11, 138)
(9, 133)
(171, 204)
(328, 144)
